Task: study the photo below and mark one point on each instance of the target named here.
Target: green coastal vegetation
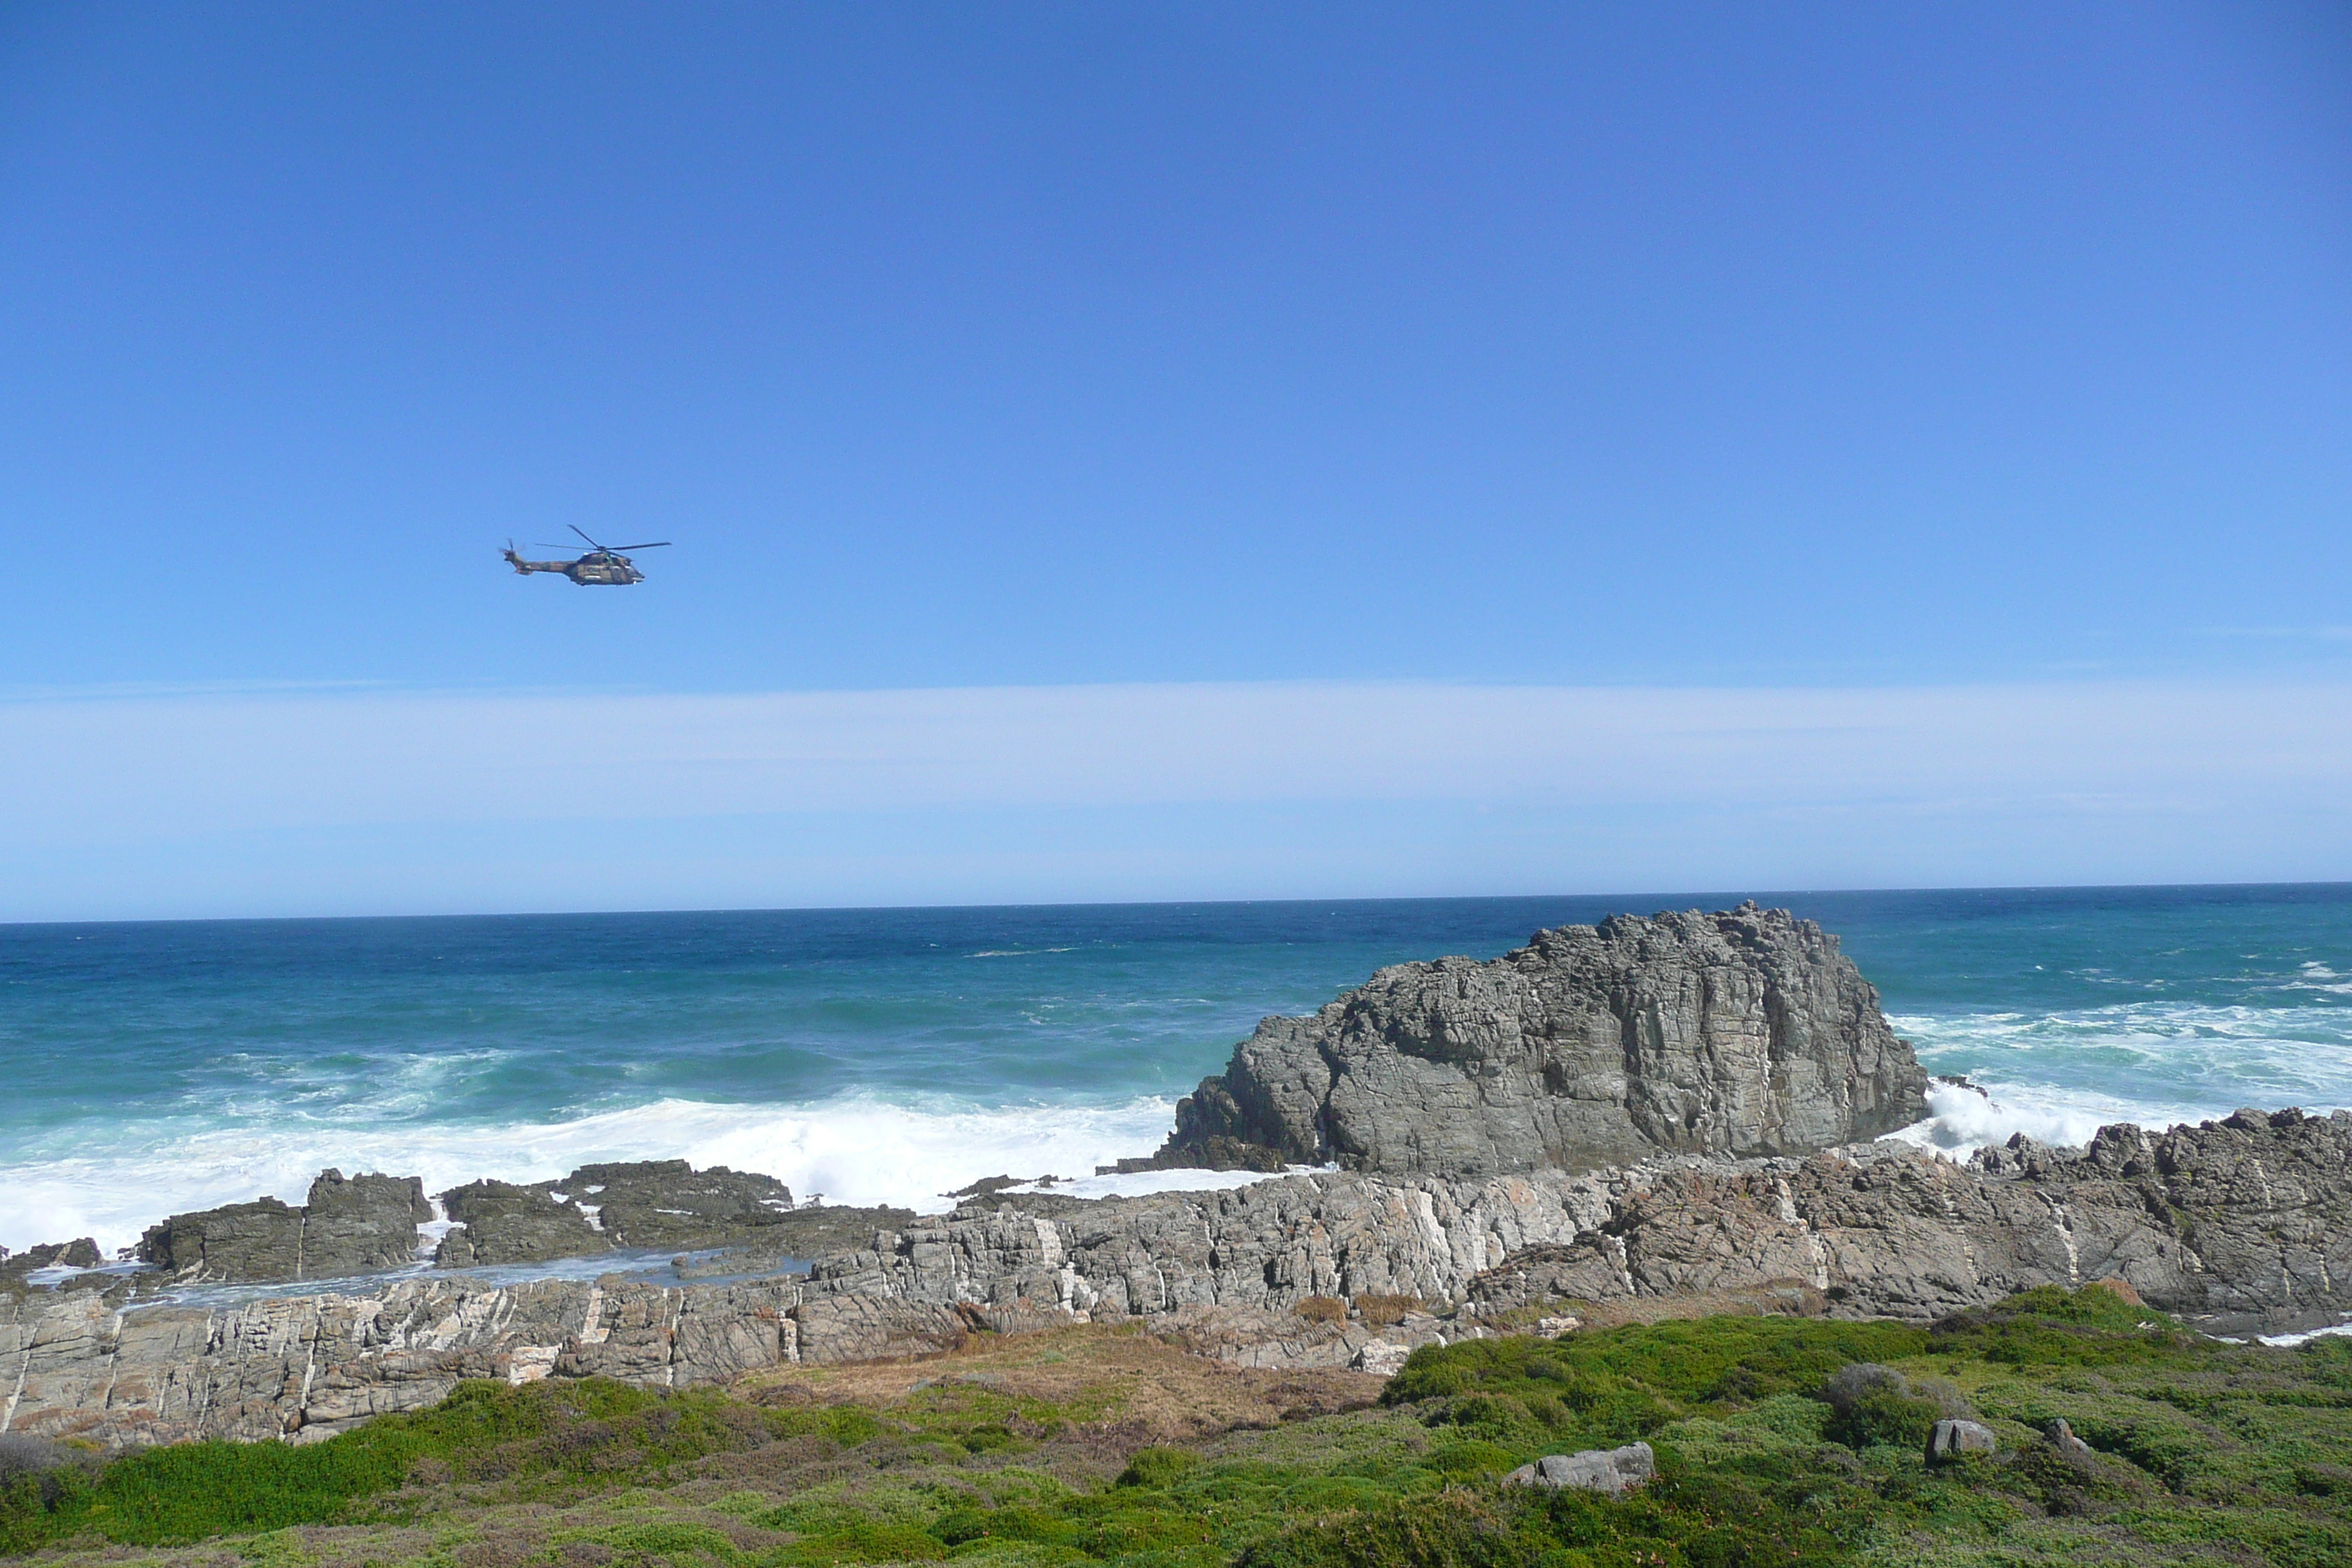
(1041, 1450)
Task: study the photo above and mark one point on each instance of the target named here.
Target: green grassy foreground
(2205, 1453)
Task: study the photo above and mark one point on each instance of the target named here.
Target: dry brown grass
(1322, 1309)
(1380, 1311)
(2119, 1288)
(1146, 1390)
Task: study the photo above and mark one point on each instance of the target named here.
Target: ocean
(876, 1055)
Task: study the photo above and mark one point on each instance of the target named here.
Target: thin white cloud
(2286, 634)
(212, 786)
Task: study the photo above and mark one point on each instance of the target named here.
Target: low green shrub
(1158, 1467)
(1687, 1522)
(671, 1538)
(1874, 1404)
(1455, 1529)
(1779, 1441)
(1675, 1363)
(585, 1432)
(1470, 1459)
(2048, 1326)
(862, 1543)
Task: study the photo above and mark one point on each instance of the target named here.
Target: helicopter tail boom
(526, 568)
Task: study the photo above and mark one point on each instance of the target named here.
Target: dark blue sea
(890, 1054)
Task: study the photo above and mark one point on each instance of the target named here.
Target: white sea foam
(1961, 1121)
(856, 1149)
(2056, 1076)
(1135, 1184)
(2289, 1342)
(2059, 1077)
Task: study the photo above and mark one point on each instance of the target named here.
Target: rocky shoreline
(2242, 1225)
(1470, 1107)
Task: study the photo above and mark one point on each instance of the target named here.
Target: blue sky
(1687, 349)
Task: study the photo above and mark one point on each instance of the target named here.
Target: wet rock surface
(1744, 1032)
(597, 1208)
(787, 1245)
(501, 1222)
(347, 1226)
(363, 1224)
(17, 1268)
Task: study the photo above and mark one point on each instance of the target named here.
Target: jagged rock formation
(2243, 1224)
(308, 1366)
(348, 1225)
(360, 1224)
(2247, 1220)
(641, 1204)
(501, 1222)
(1743, 1031)
(637, 1203)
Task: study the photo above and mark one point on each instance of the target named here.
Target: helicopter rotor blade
(582, 532)
(657, 544)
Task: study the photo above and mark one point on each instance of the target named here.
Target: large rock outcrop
(1745, 1031)
(2242, 1225)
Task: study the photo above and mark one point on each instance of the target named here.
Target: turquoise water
(890, 1054)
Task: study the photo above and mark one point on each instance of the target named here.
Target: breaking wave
(159, 1068)
(855, 1149)
(2059, 1077)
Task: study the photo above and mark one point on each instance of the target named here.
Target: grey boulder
(1611, 1471)
(2061, 1438)
(1950, 1439)
(1744, 1032)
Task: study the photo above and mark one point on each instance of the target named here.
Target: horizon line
(1755, 894)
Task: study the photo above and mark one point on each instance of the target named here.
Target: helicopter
(603, 566)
